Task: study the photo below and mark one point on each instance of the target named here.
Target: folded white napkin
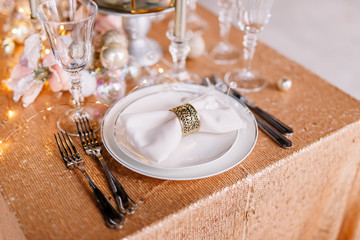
(157, 133)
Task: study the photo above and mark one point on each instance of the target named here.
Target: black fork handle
(125, 204)
(112, 217)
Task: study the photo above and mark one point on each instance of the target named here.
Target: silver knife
(273, 121)
(272, 133)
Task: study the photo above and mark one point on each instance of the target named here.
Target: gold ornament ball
(113, 56)
(8, 46)
(77, 50)
(114, 36)
(284, 84)
(21, 29)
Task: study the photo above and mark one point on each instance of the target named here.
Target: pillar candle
(33, 8)
(180, 19)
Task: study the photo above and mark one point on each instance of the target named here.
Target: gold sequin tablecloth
(311, 191)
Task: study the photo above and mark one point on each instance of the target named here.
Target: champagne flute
(253, 15)
(69, 26)
(223, 52)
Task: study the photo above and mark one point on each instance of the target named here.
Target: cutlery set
(113, 218)
(273, 127)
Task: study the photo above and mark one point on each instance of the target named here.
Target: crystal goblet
(195, 23)
(253, 15)
(69, 26)
(223, 52)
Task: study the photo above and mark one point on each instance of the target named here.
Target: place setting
(166, 123)
(175, 119)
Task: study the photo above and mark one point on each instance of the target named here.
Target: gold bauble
(114, 56)
(77, 50)
(8, 46)
(114, 36)
(21, 29)
(284, 84)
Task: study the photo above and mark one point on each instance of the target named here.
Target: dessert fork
(72, 159)
(93, 148)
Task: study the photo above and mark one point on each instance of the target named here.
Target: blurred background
(321, 35)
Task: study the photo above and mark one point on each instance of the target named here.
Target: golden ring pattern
(188, 117)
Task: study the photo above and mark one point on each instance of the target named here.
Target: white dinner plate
(198, 155)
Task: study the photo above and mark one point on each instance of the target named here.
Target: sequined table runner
(310, 191)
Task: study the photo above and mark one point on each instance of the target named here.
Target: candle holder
(146, 51)
(179, 49)
(136, 15)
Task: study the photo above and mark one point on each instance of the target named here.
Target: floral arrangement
(36, 67)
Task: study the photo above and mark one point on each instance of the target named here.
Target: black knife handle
(278, 138)
(273, 121)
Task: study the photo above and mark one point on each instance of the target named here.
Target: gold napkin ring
(188, 117)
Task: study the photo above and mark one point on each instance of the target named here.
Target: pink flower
(59, 80)
(19, 71)
(104, 23)
(23, 77)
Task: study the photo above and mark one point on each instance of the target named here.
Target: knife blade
(281, 140)
(273, 121)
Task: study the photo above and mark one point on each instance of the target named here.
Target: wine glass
(194, 22)
(69, 26)
(252, 17)
(223, 52)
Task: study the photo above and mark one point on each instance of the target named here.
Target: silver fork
(93, 148)
(72, 158)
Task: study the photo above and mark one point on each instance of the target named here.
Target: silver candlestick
(146, 51)
(179, 47)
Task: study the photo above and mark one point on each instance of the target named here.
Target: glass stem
(191, 6)
(249, 44)
(225, 19)
(76, 88)
(179, 51)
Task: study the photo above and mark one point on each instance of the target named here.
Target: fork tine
(80, 131)
(63, 146)
(91, 129)
(95, 142)
(72, 145)
(85, 141)
(67, 145)
(86, 129)
(65, 153)
(61, 151)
